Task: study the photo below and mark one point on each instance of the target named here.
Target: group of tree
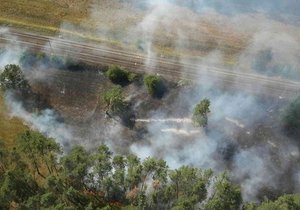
(35, 174)
(153, 83)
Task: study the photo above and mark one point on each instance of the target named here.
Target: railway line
(167, 67)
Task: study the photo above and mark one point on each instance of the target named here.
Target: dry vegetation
(118, 23)
(9, 127)
(42, 15)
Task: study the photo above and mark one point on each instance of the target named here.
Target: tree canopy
(154, 85)
(100, 179)
(120, 76)
(12, 78)
(200, 113)
(291, 118)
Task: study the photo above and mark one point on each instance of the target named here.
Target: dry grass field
(42, 15)
(122, 24)
(9, 127)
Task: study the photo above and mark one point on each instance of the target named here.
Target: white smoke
(45, 121)
(232, 113)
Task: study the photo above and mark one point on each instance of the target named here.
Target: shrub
(114, 100)
(291, 118)
(154, 85)
(200, 113)
(117, 75)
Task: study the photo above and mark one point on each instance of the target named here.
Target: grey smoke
(252, 165)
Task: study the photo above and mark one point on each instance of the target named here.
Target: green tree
(76, 166)
(154, 85)
(200, 113)
(39, 150)
(226, 196)
(120, 76)
(115, 100)
(291, 118)
(190, 183)
(102, 169)
(119, 187)
(249, 206)
(134, 171)
(12, 78)
(284, 202)
(18, 186)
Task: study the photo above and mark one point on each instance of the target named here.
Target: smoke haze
(243, 135)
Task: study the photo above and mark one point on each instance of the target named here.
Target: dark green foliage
(12, 78)
(200, 113)
(291, 118)
(284, 202)
(17, 186)
(249, 206)
(119, 76)
(101, 180)
(76, 164)
(39, 150)
(114, 100)
(154, 85)
(226, 196)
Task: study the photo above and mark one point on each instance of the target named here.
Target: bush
(120, 76)
(154, 85)
(200, 113)
(291, 118)
(117, 75)
(114, 100)
(30, 58)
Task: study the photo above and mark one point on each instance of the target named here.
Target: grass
(44, 12)
(117, 19)
(10, 128)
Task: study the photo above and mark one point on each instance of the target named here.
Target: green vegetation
(120, 76)
(34, 175)
(12, 78)
(200, 113)
(154, 85)
(283, 202)
(114, 100)
(291, 118)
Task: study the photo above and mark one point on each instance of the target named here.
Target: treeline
(35, 174)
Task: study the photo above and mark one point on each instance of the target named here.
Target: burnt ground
(76, 92)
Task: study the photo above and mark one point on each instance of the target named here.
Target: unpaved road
(167, 67)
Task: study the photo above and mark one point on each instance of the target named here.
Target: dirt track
(167, 67)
